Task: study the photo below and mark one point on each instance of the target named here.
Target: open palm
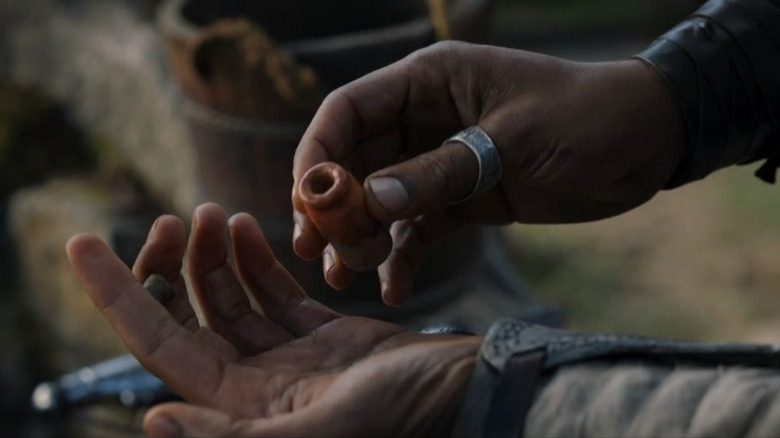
(270, 361)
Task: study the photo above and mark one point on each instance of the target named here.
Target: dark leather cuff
(722, 65)
(501, 388)
(515, 355)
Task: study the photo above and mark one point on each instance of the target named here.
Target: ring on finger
(488, 160)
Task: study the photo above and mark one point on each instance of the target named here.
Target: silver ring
(488, 160)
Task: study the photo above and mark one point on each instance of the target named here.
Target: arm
(536, 381)
(297, 368)
(578, 141)
(301, 369)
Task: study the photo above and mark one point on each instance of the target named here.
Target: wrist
(446, 399)
(658, 118)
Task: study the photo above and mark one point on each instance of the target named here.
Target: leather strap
(514, 395)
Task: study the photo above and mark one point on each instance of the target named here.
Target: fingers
(401, 112)
(307, 241)
(281, 298)
(336, 273)
(424, 183)
(162, 254)
(375, 153)
(224, 303)
(404, 109)
(358, 111)
(412, 240)
(160, 343)
(172, 420)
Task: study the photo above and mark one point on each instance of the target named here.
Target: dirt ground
(700, 262)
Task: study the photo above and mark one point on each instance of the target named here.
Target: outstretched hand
(270, 361)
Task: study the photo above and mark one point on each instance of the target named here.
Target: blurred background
(115, 111)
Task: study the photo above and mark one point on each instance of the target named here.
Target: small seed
(159, 287)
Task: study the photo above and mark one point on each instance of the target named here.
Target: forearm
(631, 398)
(722, 65)
(613, 385)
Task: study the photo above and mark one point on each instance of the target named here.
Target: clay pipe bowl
(336, 204)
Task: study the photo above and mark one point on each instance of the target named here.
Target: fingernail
(232, 220)
(389, 193)
(151, 229)
(164, 427)
(297, 231)
(327, 261)
(385, 288)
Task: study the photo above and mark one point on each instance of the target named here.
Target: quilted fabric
(620, 399)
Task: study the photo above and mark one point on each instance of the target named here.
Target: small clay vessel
(336, 204)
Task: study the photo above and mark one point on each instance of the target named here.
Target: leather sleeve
(639, 399)
(722, 65)
(531, 380)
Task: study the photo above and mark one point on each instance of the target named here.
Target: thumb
(180, 419)
(170, 420)
(422, 184)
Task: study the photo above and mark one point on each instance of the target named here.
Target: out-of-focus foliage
(698, 262)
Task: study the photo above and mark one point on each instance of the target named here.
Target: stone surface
(107, 63)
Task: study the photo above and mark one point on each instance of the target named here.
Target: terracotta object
(335, 202)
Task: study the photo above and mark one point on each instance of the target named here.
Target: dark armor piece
(721, 66)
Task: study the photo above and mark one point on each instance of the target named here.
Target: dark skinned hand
(270, 361)
(578, 141)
